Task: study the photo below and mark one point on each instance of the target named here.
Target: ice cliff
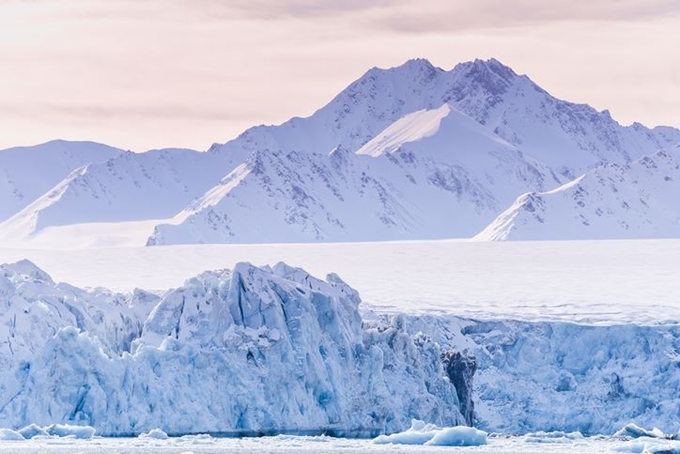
(569, 377)
(258, 350)
(252, 350)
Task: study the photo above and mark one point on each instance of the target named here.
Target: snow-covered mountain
(128, 187)
(411, 152)
(639, 200)
(400, 182)
(567, 136)
(440, 153)
(26, 173)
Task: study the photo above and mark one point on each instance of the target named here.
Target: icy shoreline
(262, 350)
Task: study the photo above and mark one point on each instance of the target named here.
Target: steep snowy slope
(639, 200)
(449, 180)
(129, 187)
(356, 115)
(28, 172)
(566, 136)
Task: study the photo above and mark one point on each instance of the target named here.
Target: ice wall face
(564, 376)
(265, 350)
(33, 308)
(250, 350)
(570, 377)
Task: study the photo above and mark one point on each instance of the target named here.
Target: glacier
(251, 350)
(265, 350)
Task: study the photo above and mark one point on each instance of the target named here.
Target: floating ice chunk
(413, 436)
(651, 446)
(635, 431)
(158, 434)
(458, 436)
(32, 430)
(552, 437)
(67, 430)
(10, 435)
(421, 433)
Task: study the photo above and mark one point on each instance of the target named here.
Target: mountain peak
(416, 69)
(491, 74)
(418, 64)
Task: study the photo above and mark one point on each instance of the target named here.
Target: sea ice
(10, 435)
(650, 446)
(32, 430)
(634, 431)
(67, 430)
(157, 434)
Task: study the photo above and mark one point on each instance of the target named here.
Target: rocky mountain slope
(638, 200)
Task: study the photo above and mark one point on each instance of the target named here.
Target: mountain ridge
(608, 202)
(440, 153)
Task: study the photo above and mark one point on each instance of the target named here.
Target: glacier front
(248, 351)
(263, 350)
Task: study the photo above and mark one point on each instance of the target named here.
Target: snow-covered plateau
(260, 350)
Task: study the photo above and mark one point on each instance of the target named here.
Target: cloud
(271, 10)
(171, 70)
(457, 15)
(435, 15)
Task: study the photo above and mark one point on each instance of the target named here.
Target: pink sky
(144, 74)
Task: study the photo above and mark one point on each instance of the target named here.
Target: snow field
(623, 281)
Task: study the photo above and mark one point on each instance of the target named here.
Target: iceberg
(32, 431)
(67, 430)
(53, 430)
(634, 431)
(156, 434)
(552, 437)
(10, 435)
(421, 433)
